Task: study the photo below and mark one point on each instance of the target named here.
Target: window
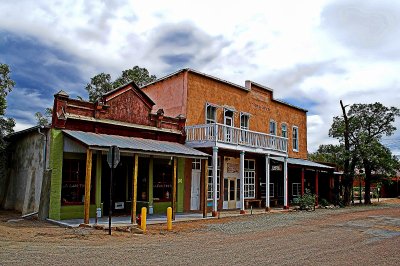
(211, 114)
(162, 179)
(295, 138)
(272, 127)
(228, 117)
(196, 164)
(244, 121)
(249, 179)
(271, 190)
(284, 130)
(296, 189)
(210, 191)
(73, 182)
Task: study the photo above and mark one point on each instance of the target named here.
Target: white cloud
(317, 52)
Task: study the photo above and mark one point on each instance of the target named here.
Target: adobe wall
(25, 173)
(169, 94)
(257, 102)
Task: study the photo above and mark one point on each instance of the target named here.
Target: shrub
(307, 201)
(323, 202)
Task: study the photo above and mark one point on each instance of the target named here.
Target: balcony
(210, 135)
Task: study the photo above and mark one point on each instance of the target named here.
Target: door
(230, 192)
(195, 191)
(228, 122)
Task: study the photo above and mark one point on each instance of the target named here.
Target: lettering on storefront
(232, 168)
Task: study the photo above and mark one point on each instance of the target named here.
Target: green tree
(98, 86)
(140, 76)
(329, 154)
(360, 130)
(6, 124)
(44, 119)
(101, 83)
(6, 86)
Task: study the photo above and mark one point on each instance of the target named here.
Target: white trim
(298, 190)
(275, 127)
(297, 138)
(248, 120)
(286, 131)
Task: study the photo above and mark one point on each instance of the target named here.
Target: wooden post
(205, 174)
(302, 181)
(134, 189)
(87, 185)
(174, 189)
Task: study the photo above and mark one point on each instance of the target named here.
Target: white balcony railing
(219, 133)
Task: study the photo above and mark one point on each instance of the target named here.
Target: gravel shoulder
(348, 236)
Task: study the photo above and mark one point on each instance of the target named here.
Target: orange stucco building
(251, 138)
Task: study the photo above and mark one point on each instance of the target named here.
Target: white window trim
(215, 114)
(253, 184)
(248, 120)
(275, 129)
(297, 139)
(298, 189)
(271, 189)
(210, 185)
(196, 162)
(286, 125)
(233, 116)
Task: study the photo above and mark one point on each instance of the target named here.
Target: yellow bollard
(169, 218)
(143, 217)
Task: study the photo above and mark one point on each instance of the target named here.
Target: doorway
(195, 185)
(230, 192)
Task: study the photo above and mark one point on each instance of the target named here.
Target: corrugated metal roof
(94, 141)
(302, 162)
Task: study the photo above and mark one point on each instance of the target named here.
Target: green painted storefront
(59, 211)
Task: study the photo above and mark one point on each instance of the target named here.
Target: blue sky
(311, 53)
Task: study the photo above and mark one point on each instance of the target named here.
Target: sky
(311, 53)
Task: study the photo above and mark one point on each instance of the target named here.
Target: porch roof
(303, 163)
(131, 144)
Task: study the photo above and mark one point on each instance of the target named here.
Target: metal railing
(232, 135)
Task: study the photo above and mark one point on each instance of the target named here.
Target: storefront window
(162, 180)
(73, 182)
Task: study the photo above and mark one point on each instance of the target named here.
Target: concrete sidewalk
(159, 218)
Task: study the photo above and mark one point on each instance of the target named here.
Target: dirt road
(350, 236)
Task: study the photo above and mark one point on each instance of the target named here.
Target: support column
(88, 182)
(215, 179)
(241, 172)
(174, 190)
(302, 181)
(316, 187)
(151, 200)
(267, 181)
(134, 189)
(285, 185)
(204, 166)
(98, 179)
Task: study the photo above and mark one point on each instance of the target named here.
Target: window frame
(249, 179)
(284, 135)
(214, 119)
(231, 117)
(298, 185)
(247, 120)
(272, 122)
(210, 184)
(295, 138)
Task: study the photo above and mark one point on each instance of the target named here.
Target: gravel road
(349, 236)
